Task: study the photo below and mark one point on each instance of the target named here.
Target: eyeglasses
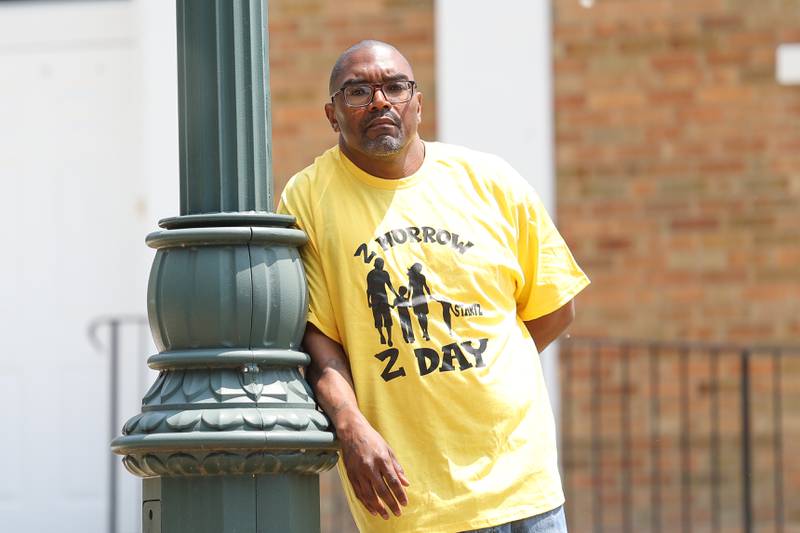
(362, 94)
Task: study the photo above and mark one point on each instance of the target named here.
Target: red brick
(722, 22)
(705, 219)
(674, 61)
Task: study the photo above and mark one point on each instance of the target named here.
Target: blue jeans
(549, 522)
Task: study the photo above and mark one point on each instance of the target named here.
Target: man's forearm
(335, 395)
(375, 474)
(330, 378)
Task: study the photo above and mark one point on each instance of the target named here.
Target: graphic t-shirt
(426, 281)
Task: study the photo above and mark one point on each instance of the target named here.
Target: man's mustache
(391, 115)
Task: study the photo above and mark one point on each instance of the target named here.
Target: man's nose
(379, 100)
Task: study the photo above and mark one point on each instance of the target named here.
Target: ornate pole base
(229, 437)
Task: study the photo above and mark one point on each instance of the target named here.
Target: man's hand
(374, 472)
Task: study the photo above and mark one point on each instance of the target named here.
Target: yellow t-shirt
(426, 281)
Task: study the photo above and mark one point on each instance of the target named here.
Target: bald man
(450, 428)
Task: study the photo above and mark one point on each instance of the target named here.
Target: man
(453, 432)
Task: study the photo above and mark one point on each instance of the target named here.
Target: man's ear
(330, 112)
(419, 106)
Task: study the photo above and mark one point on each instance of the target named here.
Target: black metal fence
(675, 436)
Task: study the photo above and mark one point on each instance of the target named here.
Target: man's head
(384, 126)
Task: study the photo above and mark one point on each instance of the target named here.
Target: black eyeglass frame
(374, 87)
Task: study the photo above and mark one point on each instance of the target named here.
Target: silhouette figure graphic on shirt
(377, 299)
(402, 304)
(446, 316)
(419, 300)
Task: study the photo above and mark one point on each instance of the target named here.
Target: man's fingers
(359, 491)
(377, 480)
(365, 494)
(372, 502)
(386, 495)
(396, 486)
(363, 487)
(401, 474)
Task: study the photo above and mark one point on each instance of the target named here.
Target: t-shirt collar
(385, 183)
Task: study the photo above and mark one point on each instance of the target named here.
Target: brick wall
(678, 175)
(678, 161)
(306, 37)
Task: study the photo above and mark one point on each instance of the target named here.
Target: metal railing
(660, 436)
(106, 335)
(121, 336)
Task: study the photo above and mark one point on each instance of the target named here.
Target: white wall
(494, 93)
(80, 83)
(159, 109)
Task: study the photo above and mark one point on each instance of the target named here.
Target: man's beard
(383, 145)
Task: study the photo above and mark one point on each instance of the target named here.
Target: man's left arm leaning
(549, 327)
(374, 472)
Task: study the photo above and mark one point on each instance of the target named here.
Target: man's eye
(358, 91)
(396, 87)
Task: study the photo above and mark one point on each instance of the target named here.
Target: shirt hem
(485, 521)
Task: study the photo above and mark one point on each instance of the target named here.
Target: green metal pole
(229, 438)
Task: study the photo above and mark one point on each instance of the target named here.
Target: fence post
(747, 500)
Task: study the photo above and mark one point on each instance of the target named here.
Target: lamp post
(229, 437)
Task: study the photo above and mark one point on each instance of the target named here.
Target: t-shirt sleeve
(320, 309)
(551, 276)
